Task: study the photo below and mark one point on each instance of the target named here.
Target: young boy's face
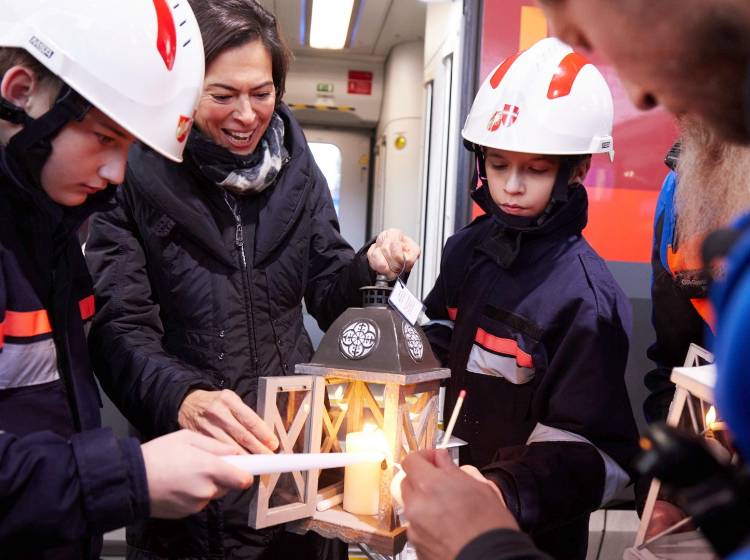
(520, 183)
(86, 157)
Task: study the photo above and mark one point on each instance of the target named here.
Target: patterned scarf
(241, 175)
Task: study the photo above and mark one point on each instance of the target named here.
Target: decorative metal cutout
(413, 342)
(358, 339)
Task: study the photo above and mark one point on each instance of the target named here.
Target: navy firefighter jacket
(64, 480)
(540, 342)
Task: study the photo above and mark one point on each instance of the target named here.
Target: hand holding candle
(399, 477)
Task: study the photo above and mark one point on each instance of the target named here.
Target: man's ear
(581, 170)
(21, 87)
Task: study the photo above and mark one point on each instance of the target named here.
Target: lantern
(373, 384)
(691, 410)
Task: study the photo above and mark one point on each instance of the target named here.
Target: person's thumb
(443, 460)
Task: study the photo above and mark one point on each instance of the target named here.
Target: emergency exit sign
(359, 82)
(324, 87)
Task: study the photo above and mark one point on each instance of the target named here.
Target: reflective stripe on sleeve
(615, 478)
(443, 322)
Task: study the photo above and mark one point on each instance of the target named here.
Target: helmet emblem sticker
(183, 128)
(358, 339)
(505, 118)
(413, 342)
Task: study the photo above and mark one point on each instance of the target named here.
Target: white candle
(287, 462)
(362, 481)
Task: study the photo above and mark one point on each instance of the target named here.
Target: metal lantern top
(374, 343)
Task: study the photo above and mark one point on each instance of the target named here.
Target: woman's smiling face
(238, 98)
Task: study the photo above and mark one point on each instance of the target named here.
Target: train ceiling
(376, 27)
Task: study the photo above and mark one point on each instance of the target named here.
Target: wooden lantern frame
(694, 383)
(383, 532)
(364, 347)
(302, 421)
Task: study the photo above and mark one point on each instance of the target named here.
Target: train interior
(383, 117)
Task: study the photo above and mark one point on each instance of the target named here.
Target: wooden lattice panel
(301, 395)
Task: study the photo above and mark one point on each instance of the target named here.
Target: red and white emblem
(505, 118)
(183, 128)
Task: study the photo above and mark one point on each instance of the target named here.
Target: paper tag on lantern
(406, 303)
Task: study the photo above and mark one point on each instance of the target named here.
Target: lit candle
(714, 428)
(362, 481)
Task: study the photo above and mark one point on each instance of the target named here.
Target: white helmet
(545, 100)
(140, 62)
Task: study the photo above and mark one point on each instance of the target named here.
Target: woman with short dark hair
(202, 268)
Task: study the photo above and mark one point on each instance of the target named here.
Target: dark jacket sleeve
(336, 273)
(501, 544)
(439, 328)
(53, 490)
(143, 380)
(580, 451)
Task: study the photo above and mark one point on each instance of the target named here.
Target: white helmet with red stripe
(545, 100)
(140, 62)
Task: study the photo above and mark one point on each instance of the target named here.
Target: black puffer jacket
(181, 307)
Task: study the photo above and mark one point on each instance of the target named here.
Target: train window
(328, 158)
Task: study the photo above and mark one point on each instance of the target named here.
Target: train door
(442, 84)
(343, 156)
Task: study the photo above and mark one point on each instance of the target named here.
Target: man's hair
(227, 24)
(10, 57)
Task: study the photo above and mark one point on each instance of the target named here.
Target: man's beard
(713, 185)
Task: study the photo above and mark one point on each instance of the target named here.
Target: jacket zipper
(239, 242)
(64, 355)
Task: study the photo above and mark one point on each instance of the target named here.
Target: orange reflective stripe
(452, 313)
(704, 309)
(27, 323)
(505, 346)
(87, 307)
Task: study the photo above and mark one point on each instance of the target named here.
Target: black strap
(68, 107)
(13, 113)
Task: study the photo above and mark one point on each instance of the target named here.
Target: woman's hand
(392, 253)
(225, 417)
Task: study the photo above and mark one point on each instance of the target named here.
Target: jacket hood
(180, 192)
(507, 238)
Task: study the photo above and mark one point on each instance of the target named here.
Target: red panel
(359, 82)
(619, 222)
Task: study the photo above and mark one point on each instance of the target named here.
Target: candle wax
(362, 481)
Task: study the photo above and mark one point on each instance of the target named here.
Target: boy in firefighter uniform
(79, 82)
(526, 314)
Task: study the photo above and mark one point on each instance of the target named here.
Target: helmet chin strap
(32, 145)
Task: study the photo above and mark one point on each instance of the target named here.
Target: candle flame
(338, 394)
(710, 416)
(369, 427)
